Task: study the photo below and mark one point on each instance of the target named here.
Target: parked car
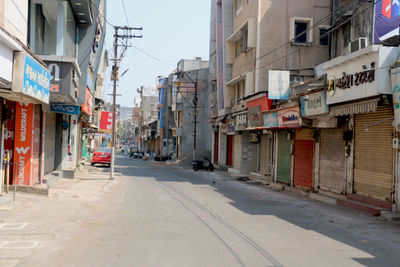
(101, 155)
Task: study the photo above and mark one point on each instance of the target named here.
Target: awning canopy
(355, 108)
(236, 80)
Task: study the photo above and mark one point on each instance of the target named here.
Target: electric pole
(126, 35)
(195, 102)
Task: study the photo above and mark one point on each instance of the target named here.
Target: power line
(325, 34)
(126, 15)
(153, 57)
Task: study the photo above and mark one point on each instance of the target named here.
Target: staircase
(366, 204)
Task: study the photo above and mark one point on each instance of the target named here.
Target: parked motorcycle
(199, 164)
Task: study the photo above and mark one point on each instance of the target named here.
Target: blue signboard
(387, 19)
(270, 120)
(65, 109)
(36, 80)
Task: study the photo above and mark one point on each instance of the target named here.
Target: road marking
(19, 244)
(12, 226)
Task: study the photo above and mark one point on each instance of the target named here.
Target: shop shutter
(304, 134)
(263, 153)
(36, 143)
(50, 137)
(303, 163)
(373, 154)
(266, 154)
(283, 161)
(332, 161)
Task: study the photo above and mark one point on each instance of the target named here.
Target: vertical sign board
(278, 84)
(387, 19)
(396, 98)
(9, 134)
(23, 147)
(106, 122)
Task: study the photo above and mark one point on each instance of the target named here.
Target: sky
(172, 30)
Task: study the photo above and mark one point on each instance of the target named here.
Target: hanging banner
(88, 106)
(23, 147)
(106, 121)
(278, 84)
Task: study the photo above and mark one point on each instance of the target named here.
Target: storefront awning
(355, 108)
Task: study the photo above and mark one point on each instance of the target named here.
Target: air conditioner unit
(254, 138)
(358, 44)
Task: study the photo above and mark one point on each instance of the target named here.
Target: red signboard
(106, 121)
(88, 106)
(263, 101)
(23, 149)
(9, 135)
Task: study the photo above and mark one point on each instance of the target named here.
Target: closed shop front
(284, 158)
(303, 158)
(332, 166)
(37, 133)
(373, 154)
(229, 152)
(50, 137)
(266, 154)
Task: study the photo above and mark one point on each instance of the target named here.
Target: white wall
(16, 18)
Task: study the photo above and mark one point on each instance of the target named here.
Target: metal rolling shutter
(373, 154)
(263, 153)
(50, 143)
(303, 158)
(332, 161)
(284, 159)
(36, 143)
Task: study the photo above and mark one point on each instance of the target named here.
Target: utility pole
(125, 36)
(195, 102)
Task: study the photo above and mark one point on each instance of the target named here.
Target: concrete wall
(275, 22)
(14, 17)
(361, 25)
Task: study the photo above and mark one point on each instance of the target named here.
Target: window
(241, 45)
(238, 4)
(324, 35)
(301, 31)
(239, 92)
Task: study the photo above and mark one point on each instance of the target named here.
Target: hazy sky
(172, 30)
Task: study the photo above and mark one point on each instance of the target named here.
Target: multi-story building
(68, 36)
(190, 97)
(24, 95)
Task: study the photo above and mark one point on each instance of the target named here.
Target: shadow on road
(344, 225)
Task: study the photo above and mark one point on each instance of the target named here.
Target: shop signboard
(278, 84)
(271, 120)
(31, 78)
(106, 121)
(387, 19)
(289, 117)
(255, 118)
(396, 97)
(314, 104)
(241, 122)
(88, 106)
(65, 109)
(23, 146)
(231, 127)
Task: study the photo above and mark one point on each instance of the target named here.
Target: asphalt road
(164, 216)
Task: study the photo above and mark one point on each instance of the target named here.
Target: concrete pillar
(61, 27)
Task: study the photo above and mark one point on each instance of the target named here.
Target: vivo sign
(65, 109)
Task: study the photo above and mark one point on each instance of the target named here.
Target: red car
(101, 155)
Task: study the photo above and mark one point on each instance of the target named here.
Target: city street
(166, 216)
